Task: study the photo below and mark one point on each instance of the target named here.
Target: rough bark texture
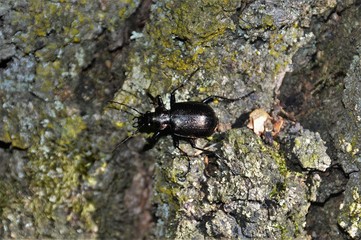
(61, 62)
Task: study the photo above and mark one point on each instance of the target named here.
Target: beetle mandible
(183, 121)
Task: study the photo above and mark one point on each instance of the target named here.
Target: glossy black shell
(192, 120)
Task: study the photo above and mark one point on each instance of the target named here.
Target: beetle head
(151, 122)
(145, 123)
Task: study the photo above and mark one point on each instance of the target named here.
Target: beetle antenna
(247, 94)
(125, 140)
(128, 107)
(185, 81)
(129, 113)
(191, 75)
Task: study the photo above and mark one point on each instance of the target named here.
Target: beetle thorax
(153, 121)
(161, 120)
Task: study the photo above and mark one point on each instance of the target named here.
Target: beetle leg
(172, 95)
(208, 152)
(192, 142)
(152, 141)
(175, 142)
(157, 101)
(214, 97)
(176, 145)
(152, 98)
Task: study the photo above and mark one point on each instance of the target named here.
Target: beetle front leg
(152, 141)
(157, 101)
(172, 95)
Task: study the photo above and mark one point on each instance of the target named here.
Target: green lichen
(248, 171)
(71, 128)
(68, 22)
(199, 26)
(268, 22)
(310, 151)
(179, 35)
(169, 186)
(350, 147)
(12, 133)
(57, 151)
(284, 232)
(7, 195)
(355, 206)
(350, 218)
(54, 168)
(5, 135)
(55, 185)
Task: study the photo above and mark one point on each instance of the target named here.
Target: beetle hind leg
(206, 151)
(192, 142)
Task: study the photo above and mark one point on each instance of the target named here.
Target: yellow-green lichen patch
(5, 135)
(48, 53)
(71, 127)
(17, 135)
(350, 217)
(349, 147)
(43, 23)
(281, 162)
(199, 21)
(311, 152)
(7, 195)
(46, 73)
(178, 38)
(260, 174)
(126, 9)
(55, 172)
(55, 169)
(169, 184)
(268, 22)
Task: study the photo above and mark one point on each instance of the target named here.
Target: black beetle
(183, 121)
